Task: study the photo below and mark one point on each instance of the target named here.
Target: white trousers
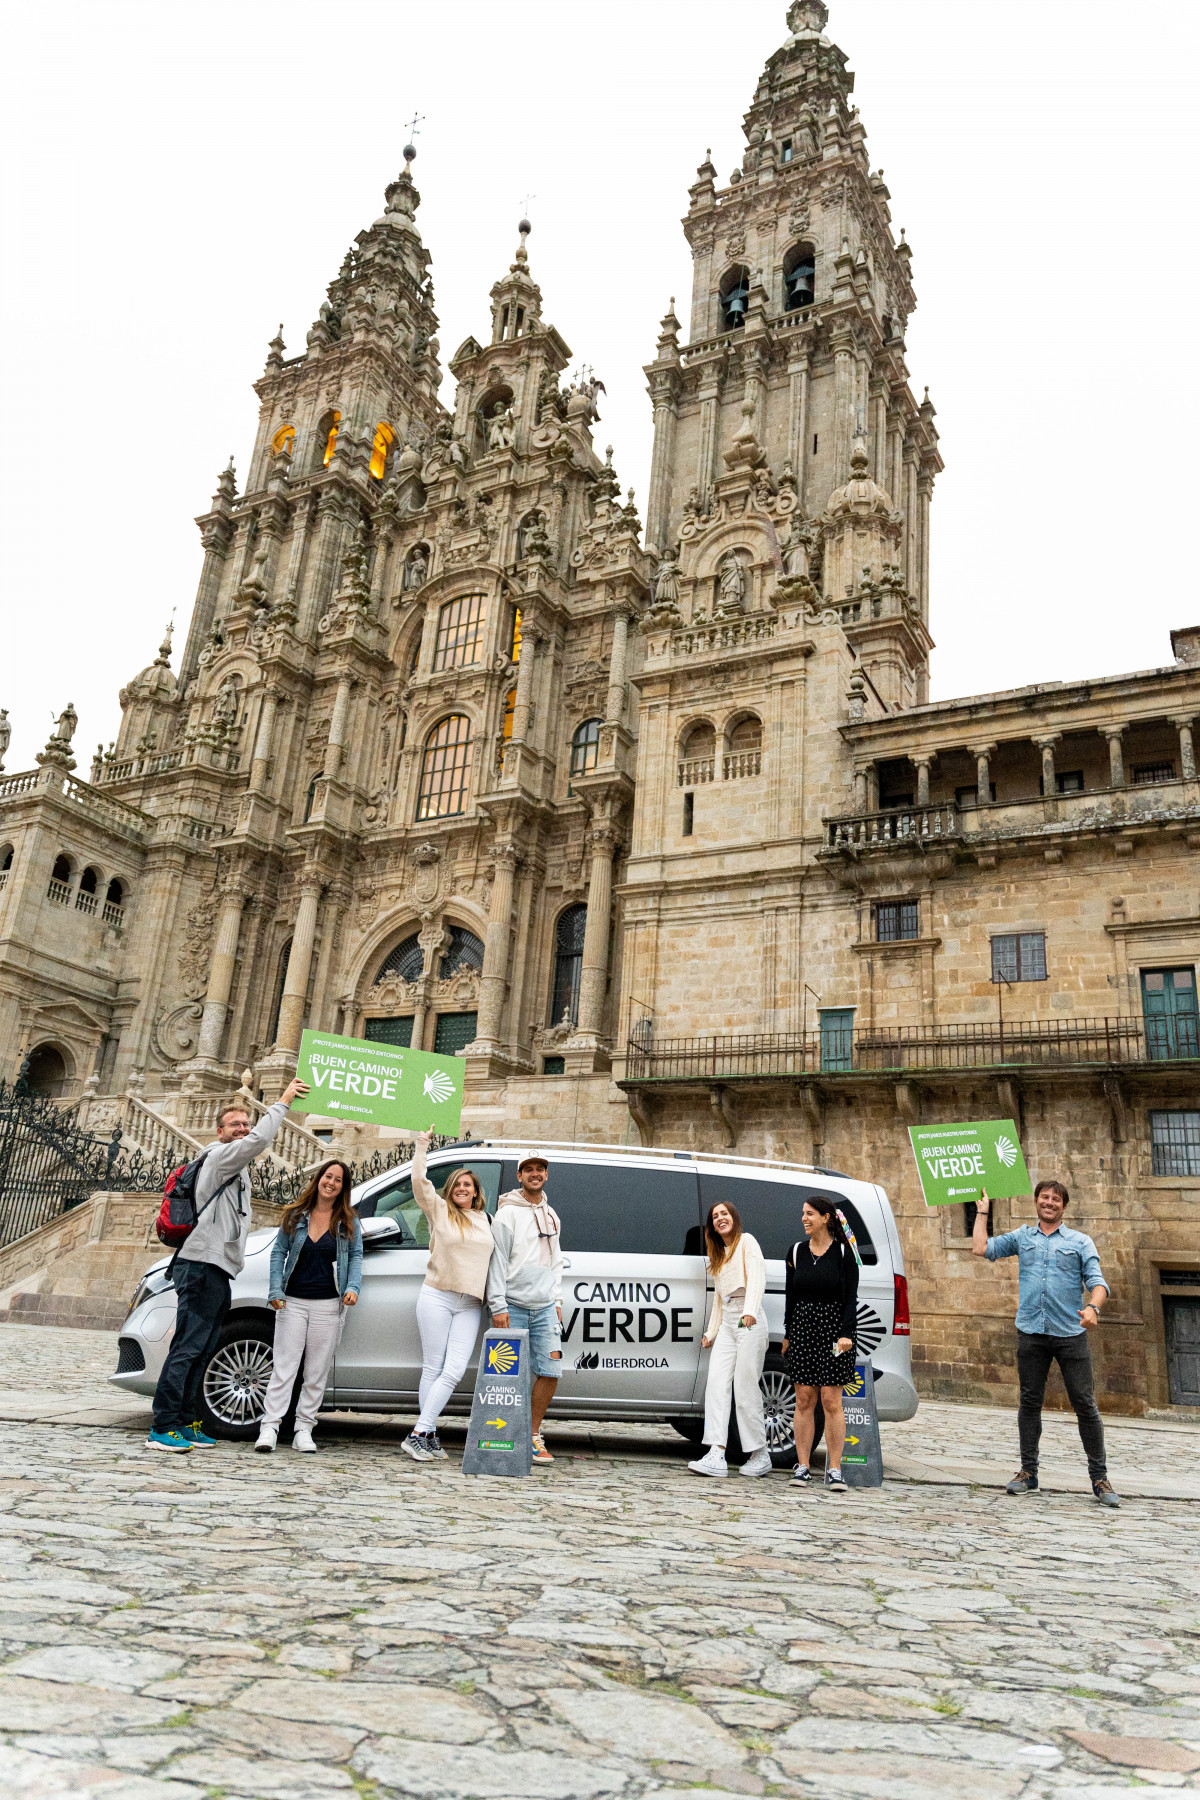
(734, 1367)
(305, 1331)
(449, 1324)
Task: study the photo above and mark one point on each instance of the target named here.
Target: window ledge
(873, 947)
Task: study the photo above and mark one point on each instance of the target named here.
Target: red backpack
(178, 1214)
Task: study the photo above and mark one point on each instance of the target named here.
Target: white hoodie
(526, 1265)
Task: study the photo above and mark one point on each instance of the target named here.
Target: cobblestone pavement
(294, 1628)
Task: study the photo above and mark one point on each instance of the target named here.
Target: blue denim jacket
(1054, 1269)
(285, 1253)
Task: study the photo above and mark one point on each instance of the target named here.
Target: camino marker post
(862, 1458)
(957, 1163)
(500, 1432)
(380, 1084)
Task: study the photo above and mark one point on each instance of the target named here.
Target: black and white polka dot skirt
(812, 1331)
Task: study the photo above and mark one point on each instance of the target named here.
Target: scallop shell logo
(438, 1087)
(1006, 1150)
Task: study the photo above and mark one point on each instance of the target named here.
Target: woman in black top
(819, 1313)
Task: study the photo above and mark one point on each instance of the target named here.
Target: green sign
(380, 1084)
(959, 1162)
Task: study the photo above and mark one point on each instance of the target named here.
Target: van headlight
(155, 1282)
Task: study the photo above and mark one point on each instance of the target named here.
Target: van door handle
(566, 1262)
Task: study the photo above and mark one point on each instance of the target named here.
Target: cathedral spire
(516, 297)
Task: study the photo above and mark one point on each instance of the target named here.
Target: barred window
(896, 920)
(1146, 774)
(568, 964)
(1175, 1143)
(585, 746)
(407, 961)
(446, 768)
(1019, 956)
(459, 633)
(465, 952)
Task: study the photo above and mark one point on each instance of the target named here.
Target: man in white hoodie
(524, 1283)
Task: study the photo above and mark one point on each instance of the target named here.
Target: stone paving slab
(301, 1628)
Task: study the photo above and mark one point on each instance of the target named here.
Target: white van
(635, 1289)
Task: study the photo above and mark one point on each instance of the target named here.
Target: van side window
(771, 1210)
(629, 1211)
(399, 1202)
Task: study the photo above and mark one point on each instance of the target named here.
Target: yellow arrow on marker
(501, 1423)
(851, 1440)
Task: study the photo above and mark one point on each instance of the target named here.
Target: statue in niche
(501, 431)
(666, 580)
(447, 447)
(225, 707)
(731, 584)
(416, 569)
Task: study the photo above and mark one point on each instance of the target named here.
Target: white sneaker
(303, 1440)
(759, 1464)
(712, 1464)
(415, 1445)
(267, 1436)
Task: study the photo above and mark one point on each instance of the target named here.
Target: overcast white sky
(178, 178)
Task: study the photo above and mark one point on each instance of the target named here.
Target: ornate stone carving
(193, 956)
(176, 1031)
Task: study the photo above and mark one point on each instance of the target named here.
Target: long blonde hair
(478, 1204)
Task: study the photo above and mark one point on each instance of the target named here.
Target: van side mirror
(378, 1234)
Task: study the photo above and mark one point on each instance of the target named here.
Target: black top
(828, 1280)
(312, 1277)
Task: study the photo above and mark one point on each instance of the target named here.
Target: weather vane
(417, 120)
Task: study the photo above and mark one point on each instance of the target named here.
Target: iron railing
(1044, 1043)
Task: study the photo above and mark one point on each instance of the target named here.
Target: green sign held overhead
(380, 1084)
(957, 1163)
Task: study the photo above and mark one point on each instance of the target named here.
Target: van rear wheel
(233, 1389)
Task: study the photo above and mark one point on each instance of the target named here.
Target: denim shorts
(545, 1336)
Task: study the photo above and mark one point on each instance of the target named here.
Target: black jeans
(202, 1293)
(1036, 1350)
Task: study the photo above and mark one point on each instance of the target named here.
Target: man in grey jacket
(206, 1263)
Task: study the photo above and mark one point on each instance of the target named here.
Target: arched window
(415, 658)
(465, 952)
(701, 740)
(407, 961)
(284, 441)
(114, 902)
(327, 435)
(385, 437)
(459, 633)
(47, 1072)
(506, 727)
(445, 769)
(746, 734)
(743, 748)
(799, 277)
(585, 746)
(568, 964)
(62, 869)
(6, 859)
(310, 798)
(735, 298)
(85, 897)
(59, 889)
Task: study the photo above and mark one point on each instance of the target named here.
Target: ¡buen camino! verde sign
(380, 1084)
(957, 1163)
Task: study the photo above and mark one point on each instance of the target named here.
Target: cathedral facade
(657, 827)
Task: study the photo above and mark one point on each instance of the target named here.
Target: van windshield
(771, 1210)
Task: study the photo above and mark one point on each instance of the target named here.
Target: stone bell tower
(800, 300)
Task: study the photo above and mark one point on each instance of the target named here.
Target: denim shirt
(1054, 1269)
(285, 1254)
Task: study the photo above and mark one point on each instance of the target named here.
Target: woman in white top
(450, 1302)
(737, 1333)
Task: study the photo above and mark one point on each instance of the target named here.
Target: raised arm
(226, 1160)
(424, 1192)
(979, 1231)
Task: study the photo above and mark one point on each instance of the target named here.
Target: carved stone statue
(5, 734)
(416, 570)
(666, 580)
(501, 431)
(731, 590)
(67, 721)
(225, 707)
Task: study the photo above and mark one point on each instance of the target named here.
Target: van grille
(869, 1330)
(129, 1356)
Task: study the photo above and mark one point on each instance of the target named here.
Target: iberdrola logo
(1006, 1150)
(438, 1086)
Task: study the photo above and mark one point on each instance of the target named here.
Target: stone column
(215, 540)
(494, 978)
(922, 765)
(798, 423)
(661, 463)
(295, 985)
(872, 787)
(330, 530)
(262, 742)
(925, 490)
(337, 728)
(301, 519)
(983, 778)
(1187, 750)
(710, 413)
(1116, 761)
(594, 973)
(531, 637)
(860, 789)
(220, 974)
(1046, 746)
(844, 396)
(615, 706)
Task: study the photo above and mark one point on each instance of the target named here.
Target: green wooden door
(1169, 1011)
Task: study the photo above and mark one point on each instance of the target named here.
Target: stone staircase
(182, 1133)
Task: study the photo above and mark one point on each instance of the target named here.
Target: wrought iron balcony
(908, 1049)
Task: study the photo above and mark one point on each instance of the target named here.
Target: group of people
(512, 1264)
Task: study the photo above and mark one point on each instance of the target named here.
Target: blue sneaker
(193, 1435)
(168, 1440)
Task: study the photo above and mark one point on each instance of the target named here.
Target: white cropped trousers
(305, 1331)
(735, 1366)
(449, 1324)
